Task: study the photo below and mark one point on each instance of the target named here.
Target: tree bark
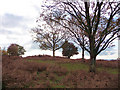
(83, 55)
(53, 46)
(83, 49)
(92, 64)
(53, 53)
(92, 54)
(69, 57)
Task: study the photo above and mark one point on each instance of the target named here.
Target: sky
(18, 17)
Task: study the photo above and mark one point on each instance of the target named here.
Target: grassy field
(59, 73)
(77, 66)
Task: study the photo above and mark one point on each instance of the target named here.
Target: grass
(57, 74)
(75, 66)
(56, 83)
(29, 84)
(108, 70)
(59, 86)
(42, 61)
(59, 77)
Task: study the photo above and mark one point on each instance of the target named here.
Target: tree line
(69, 50)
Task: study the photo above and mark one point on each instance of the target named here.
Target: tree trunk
(83, 55)
(53, 46)
(92, 64)
(83, 49)
(53, 53)
(92, 55)
(69, 57)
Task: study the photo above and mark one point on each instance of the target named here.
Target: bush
(69, 49)
(15, 50)
(4, 52)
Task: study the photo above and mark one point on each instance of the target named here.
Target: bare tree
(49, 35)
(96, 20)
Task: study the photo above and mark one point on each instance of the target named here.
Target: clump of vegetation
(15, 50)
(4, 52)
(69, 49)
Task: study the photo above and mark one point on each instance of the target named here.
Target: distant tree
(49, 35)
(15, 50)
(12, 50)
(69, 49)
(21, 50)
(4, 52)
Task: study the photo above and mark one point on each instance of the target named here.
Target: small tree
(15, 50)
(69, 49)
(4, 52)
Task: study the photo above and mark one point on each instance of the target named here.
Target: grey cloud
(11, 21)
(10, 32)
(108, 51)
(32, 45)
(37, 8)
(4, 31)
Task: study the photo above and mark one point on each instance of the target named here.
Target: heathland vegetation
(44, 72)
(67, 24)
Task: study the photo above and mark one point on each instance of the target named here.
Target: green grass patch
(59, 77)
(42, 61)
(59, 86)
(108, 70)
(75, 66)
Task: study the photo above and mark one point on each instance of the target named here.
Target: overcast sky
(17, 17)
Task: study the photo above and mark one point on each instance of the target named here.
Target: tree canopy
(15, 50)
(69, 49)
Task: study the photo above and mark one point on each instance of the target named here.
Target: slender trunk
(83, 55)
(53, 53)
(83, 49)
(53, 45)
(69, 57)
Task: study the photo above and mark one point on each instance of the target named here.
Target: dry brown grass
(82, 79)
(20, 73)
(57, 70)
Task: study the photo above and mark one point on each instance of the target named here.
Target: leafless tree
(48, 34)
